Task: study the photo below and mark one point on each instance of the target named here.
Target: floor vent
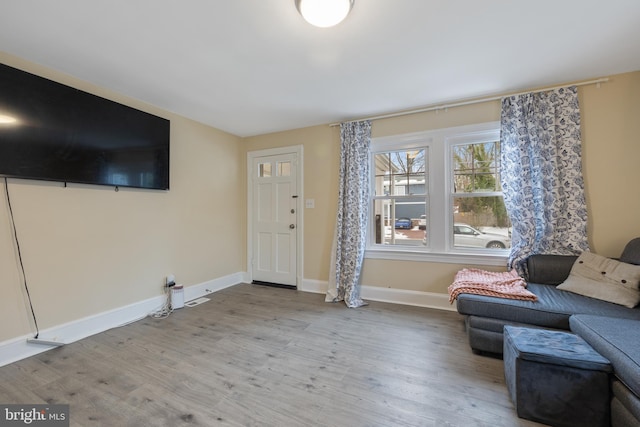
(196, 301)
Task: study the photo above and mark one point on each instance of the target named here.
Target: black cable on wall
(15, 237)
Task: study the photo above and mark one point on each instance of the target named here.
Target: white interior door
(274, 219)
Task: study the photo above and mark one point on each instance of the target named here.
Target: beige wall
(89, 249)
(611, 141)
(611, 135)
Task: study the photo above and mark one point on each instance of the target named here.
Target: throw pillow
(604, 278)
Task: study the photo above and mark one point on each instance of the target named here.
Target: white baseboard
(215, 285)
(394, 296)
(406, 297)
(314, 286)
(17, 348)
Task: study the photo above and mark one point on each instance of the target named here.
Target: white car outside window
(465, 236)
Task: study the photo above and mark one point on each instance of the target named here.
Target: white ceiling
(251, 67)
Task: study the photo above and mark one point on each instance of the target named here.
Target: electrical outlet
(170, 279)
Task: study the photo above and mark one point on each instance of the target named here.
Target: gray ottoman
(556, 378)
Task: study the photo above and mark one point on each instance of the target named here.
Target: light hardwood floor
(263, 356)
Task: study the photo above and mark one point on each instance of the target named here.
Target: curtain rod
(471, 101)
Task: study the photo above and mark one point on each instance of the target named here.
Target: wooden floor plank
(264, 356)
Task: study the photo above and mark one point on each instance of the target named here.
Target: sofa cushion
(548, 269)
(631, 252)
(616, 339)
(604, 278)
(552, 310)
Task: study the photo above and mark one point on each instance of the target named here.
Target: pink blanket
(496, 284)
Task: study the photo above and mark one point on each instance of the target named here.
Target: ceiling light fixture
(324, 13)
(7, 120)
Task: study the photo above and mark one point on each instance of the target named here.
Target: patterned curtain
(542, 174)
(353, 214)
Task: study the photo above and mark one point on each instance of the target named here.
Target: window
(264, 170)
(281, 169)
(477, 197)
(284, 168)
(437, 195)
(400, 193)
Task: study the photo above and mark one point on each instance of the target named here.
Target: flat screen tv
(49, 131)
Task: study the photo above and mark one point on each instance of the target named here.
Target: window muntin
(401, 173)
(476, 167)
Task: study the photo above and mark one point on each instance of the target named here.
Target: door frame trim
(251, 156)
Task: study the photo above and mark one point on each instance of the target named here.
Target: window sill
(460, 257)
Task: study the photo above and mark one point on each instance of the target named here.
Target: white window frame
(439, 198)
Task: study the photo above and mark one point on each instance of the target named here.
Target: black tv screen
(50, 131)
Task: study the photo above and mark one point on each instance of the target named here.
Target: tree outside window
(477, 192)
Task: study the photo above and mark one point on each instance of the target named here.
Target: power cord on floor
(166, 309)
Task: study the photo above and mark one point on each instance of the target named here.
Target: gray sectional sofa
(619, 341)
(611, 329)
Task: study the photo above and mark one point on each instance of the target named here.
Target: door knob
(292, 226)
